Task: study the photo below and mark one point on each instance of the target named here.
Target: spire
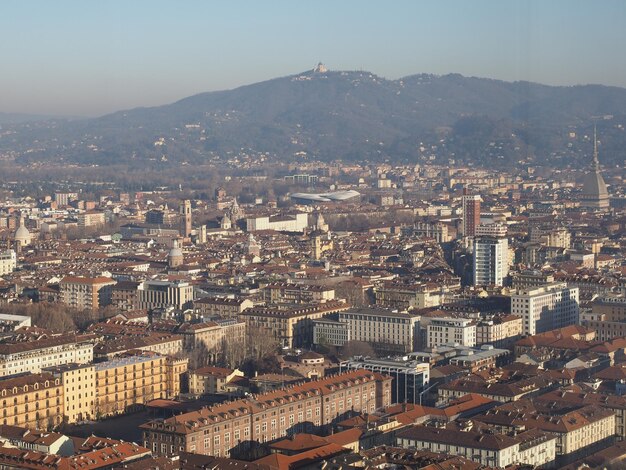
(595, 163)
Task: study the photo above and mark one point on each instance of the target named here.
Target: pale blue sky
(92, 57)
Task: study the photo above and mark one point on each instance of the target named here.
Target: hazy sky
(90, 57)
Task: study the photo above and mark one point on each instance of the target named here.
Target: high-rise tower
(471, 213)
(595, 195)
(186, 216)
(491, 261)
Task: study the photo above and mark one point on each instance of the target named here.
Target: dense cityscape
(364, 315)
(330, 235)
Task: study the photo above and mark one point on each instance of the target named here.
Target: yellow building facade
(32, 401)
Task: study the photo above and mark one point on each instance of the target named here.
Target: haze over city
(90, 58)
(289, 235)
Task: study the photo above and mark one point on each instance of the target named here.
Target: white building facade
(287, 223)
(491, 261)
(546, 308)
(442, 331)
(8, 262)
(397, 331)
(32, 356)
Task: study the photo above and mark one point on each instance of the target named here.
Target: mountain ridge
(350, 115)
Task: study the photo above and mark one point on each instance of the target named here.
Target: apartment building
(211, 379)
(9, 323)
(436, 230)
(175, 369)
(531, 279)
(449, 330)
(152, 341)
(497, 230)
(85, 293)
(607, 317)
(225, 429)
(532, 447)
(290, 326)
(125, 295)
(287, 293)
(32, 401)
(63, 199)
(330, 332)
(78, 382)
(404, 297)
(575, 429)
(546, 308)
(91, 219)
(221, 306)
(213, 334)
(550, 236)
(573, 397)
(491, 261)
(118, 455)
(44, 441)
(124, 382)
(33, 354)
(501, 331)
(162, 294)
(409, 376)
(471, 214)
(483, 358)
(8, 262)
(387, 330)
(503, 392)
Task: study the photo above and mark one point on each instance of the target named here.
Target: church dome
(175, 257)
(175, 252)
(22, 234)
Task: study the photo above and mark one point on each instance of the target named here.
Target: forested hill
(345, 115)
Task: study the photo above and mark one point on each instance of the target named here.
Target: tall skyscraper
(471, 213)
(186, 216)
(595, 195)
(491, 261)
